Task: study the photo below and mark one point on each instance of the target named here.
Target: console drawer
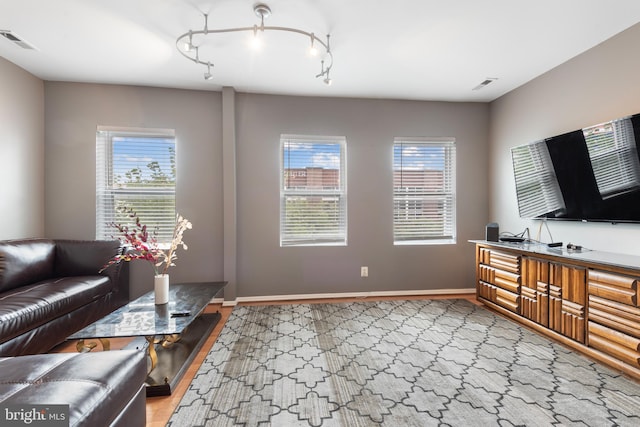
(507, 280)
(508, 300)
(615, 343)
(615, 287)
(505, 261)
(502, 297)
(620, 317)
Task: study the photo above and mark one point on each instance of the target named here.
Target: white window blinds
(424, 190)
(537, 187)
(614, 156)
(313, 191)
(135, 168)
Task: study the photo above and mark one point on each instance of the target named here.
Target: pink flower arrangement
(140, 244)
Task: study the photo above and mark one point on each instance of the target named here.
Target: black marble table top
(142, 317)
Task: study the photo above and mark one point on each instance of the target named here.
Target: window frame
(288, 239)
(108, 193)
(416, 198)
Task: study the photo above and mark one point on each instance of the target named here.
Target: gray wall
(74, 110)
(263, 268)
(599, 85)
(596, 86)
(21, 153)
(369, 126)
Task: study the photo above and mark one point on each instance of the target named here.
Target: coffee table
(171, 333)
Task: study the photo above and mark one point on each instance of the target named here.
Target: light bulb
(256, 41)
(313, 51)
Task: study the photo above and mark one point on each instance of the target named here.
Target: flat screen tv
(591, 174)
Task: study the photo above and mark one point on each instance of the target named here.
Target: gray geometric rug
(397, 363)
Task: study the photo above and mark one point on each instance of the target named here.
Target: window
(313, 191)
(136, 169)
(614, 157)
(537, 187)
(424, 190)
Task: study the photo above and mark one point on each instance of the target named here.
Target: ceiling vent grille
(486, 82)
(13, 37)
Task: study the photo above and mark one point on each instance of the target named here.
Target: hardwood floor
(159, 409)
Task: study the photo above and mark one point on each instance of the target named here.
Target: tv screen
(591, 174)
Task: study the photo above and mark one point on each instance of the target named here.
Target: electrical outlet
(364, 271)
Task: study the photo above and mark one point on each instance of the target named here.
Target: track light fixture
(188, 43)
(208, 75)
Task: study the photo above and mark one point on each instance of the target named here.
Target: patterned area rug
(397, 363)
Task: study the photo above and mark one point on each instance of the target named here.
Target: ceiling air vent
(486, 82)
(13, 37)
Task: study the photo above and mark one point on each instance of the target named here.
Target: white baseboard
(267, 298)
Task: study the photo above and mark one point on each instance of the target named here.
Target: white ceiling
(399, 49)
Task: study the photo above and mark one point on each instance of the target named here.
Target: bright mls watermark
(34, 415)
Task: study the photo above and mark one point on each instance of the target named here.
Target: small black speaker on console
(492, 232)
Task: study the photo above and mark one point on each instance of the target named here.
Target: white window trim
(104, 158)
(341, 192)
(436, 240)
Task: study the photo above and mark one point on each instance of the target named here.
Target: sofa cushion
(29, 306)
(23, 262)
(96, 386)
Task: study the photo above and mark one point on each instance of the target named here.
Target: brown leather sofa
(50, 289)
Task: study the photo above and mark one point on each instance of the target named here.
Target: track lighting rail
(187, 48)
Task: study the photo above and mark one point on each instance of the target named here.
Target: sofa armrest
(88, 257)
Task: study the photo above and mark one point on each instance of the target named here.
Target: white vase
(161, 288)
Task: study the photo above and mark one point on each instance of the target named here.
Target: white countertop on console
(584, 255)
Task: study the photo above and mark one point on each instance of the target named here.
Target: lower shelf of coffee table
(173, 361)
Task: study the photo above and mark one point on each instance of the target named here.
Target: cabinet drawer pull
(616, 280)
(619, 352)
(615, 336)
(625, 296)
